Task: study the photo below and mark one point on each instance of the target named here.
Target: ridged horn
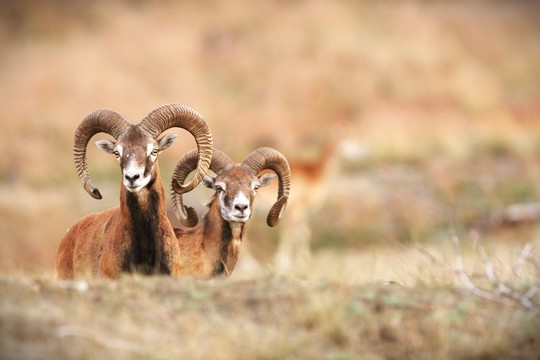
(100, 121)
(176, 115)
(184, 166)
(268, 158)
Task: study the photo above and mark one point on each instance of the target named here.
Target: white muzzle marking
(133, 177)
(240, 208)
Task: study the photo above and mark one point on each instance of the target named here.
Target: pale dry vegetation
(443, 97)
(269, 317)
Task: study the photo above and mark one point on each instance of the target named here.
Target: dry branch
(504, 294)
(516, 214)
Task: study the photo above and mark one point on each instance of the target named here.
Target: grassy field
(265, 318)
(442, 96)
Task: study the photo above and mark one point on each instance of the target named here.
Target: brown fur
(134, 237)
(212, 247)
(209, 249)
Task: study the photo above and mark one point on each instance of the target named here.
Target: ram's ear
(266, 179)
(166, 141)
(209, 182)
(105, 145)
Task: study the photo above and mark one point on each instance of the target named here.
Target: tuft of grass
(269, 318)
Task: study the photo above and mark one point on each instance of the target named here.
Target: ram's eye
(256, 187)
(154, 152)
(219, 188)
(116, 153)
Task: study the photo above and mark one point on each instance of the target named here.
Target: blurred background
(404, 122)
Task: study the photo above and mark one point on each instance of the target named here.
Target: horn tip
(191, 219)
(276, 211)
(272, 221)
(95, 194)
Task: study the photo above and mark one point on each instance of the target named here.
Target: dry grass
(443, 95)
(270, 317)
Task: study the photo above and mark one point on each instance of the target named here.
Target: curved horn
(184, 166)
(106, 121)
(175, 115)
(268, 158)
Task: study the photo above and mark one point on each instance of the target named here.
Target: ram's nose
(134, 179)
(241, 208)
(131, 178)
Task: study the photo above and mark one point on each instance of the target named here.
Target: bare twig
(524, 299)
(466, 280)
(525, 253)
(505, 294)
(522, 213)
(430, 256)
(531, 292)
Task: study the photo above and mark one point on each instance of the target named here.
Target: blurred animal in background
(212, 247)
(136, 236)
(312, 180)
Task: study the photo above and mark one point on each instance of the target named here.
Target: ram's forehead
(237, 175)
(134, 136)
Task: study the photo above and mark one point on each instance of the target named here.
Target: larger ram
(136, 236)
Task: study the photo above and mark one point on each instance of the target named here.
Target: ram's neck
(144, 213)
(222, 240)
(229, 254)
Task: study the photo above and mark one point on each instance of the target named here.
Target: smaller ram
(212, 247)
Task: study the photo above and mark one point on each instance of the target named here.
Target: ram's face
(236, 190)
(137, 154)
